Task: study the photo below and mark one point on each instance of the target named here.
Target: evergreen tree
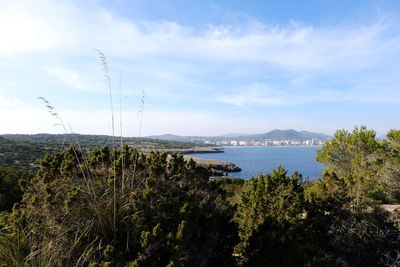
(353, 160)
(167, 212)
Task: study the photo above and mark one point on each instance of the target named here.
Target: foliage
(231, 188)
(10, 191)
(24, 154)
(98, 140)
(273, 225)
(24, 151)
(126, 208)
(390, 170)
(275, 195)
(166, 211)
(357, 162)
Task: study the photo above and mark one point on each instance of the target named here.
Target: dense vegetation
(126, 208)
(10, 191)
(24, 151)
(99, 140)
(25, 154)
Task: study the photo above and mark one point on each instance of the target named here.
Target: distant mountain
(231, 135)
(315, 135)
(276, 134)
(289, 134)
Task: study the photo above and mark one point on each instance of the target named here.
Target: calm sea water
(253, 160)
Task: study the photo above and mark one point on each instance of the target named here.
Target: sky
(203, 67)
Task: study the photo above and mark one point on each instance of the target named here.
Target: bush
(120, 207)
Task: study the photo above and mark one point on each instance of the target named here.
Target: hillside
(23, 154)
(98, 140)
(23, 151)
(289, 134)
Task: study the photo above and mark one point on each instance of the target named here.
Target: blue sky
(206, 67)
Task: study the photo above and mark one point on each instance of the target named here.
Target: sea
(254, 160)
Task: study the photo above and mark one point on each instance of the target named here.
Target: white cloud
(26, 120)
(5, 83)
(69, 77)
(182, 122)
(173, 61)
(254, 94)
(188, 122)
(249, 99)
(34, 26)
(9, 102)
(257, 94)
(51, 25)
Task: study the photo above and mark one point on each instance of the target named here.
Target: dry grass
(204, 162)
(97, 199)
(106, 204)
(390, 207)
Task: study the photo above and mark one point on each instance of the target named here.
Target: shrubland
(120, 207)
(24, 151)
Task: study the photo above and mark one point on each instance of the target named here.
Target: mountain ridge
(276, 134)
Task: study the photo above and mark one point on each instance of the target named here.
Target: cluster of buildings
(311, 142)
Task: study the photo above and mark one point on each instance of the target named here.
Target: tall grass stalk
(82, 165)
(107, 203)
(106, 73)
(141, 113)
(121, 136)
(39, 254)
(52, 110)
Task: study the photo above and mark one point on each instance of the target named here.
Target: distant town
(288, 137)
(311, 142)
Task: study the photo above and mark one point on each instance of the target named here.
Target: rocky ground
(219, 168)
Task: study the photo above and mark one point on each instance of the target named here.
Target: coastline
(195, 150)
(271, 146)
(218, 167)
(253, 160)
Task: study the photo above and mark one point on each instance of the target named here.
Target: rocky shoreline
(196, 150)
(218, 167)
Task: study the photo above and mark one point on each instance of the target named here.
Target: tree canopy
(121, 207)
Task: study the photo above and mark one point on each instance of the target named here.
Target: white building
(257, 143)
(316, 142)
(276, 143)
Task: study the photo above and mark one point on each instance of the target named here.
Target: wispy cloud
(69, 77)
(182, 122)
(249, 99)
(254, 94)
(57, 25)
(33, 27)
(244, 63)
(9, 102)
(36, 120)
(261, 95)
